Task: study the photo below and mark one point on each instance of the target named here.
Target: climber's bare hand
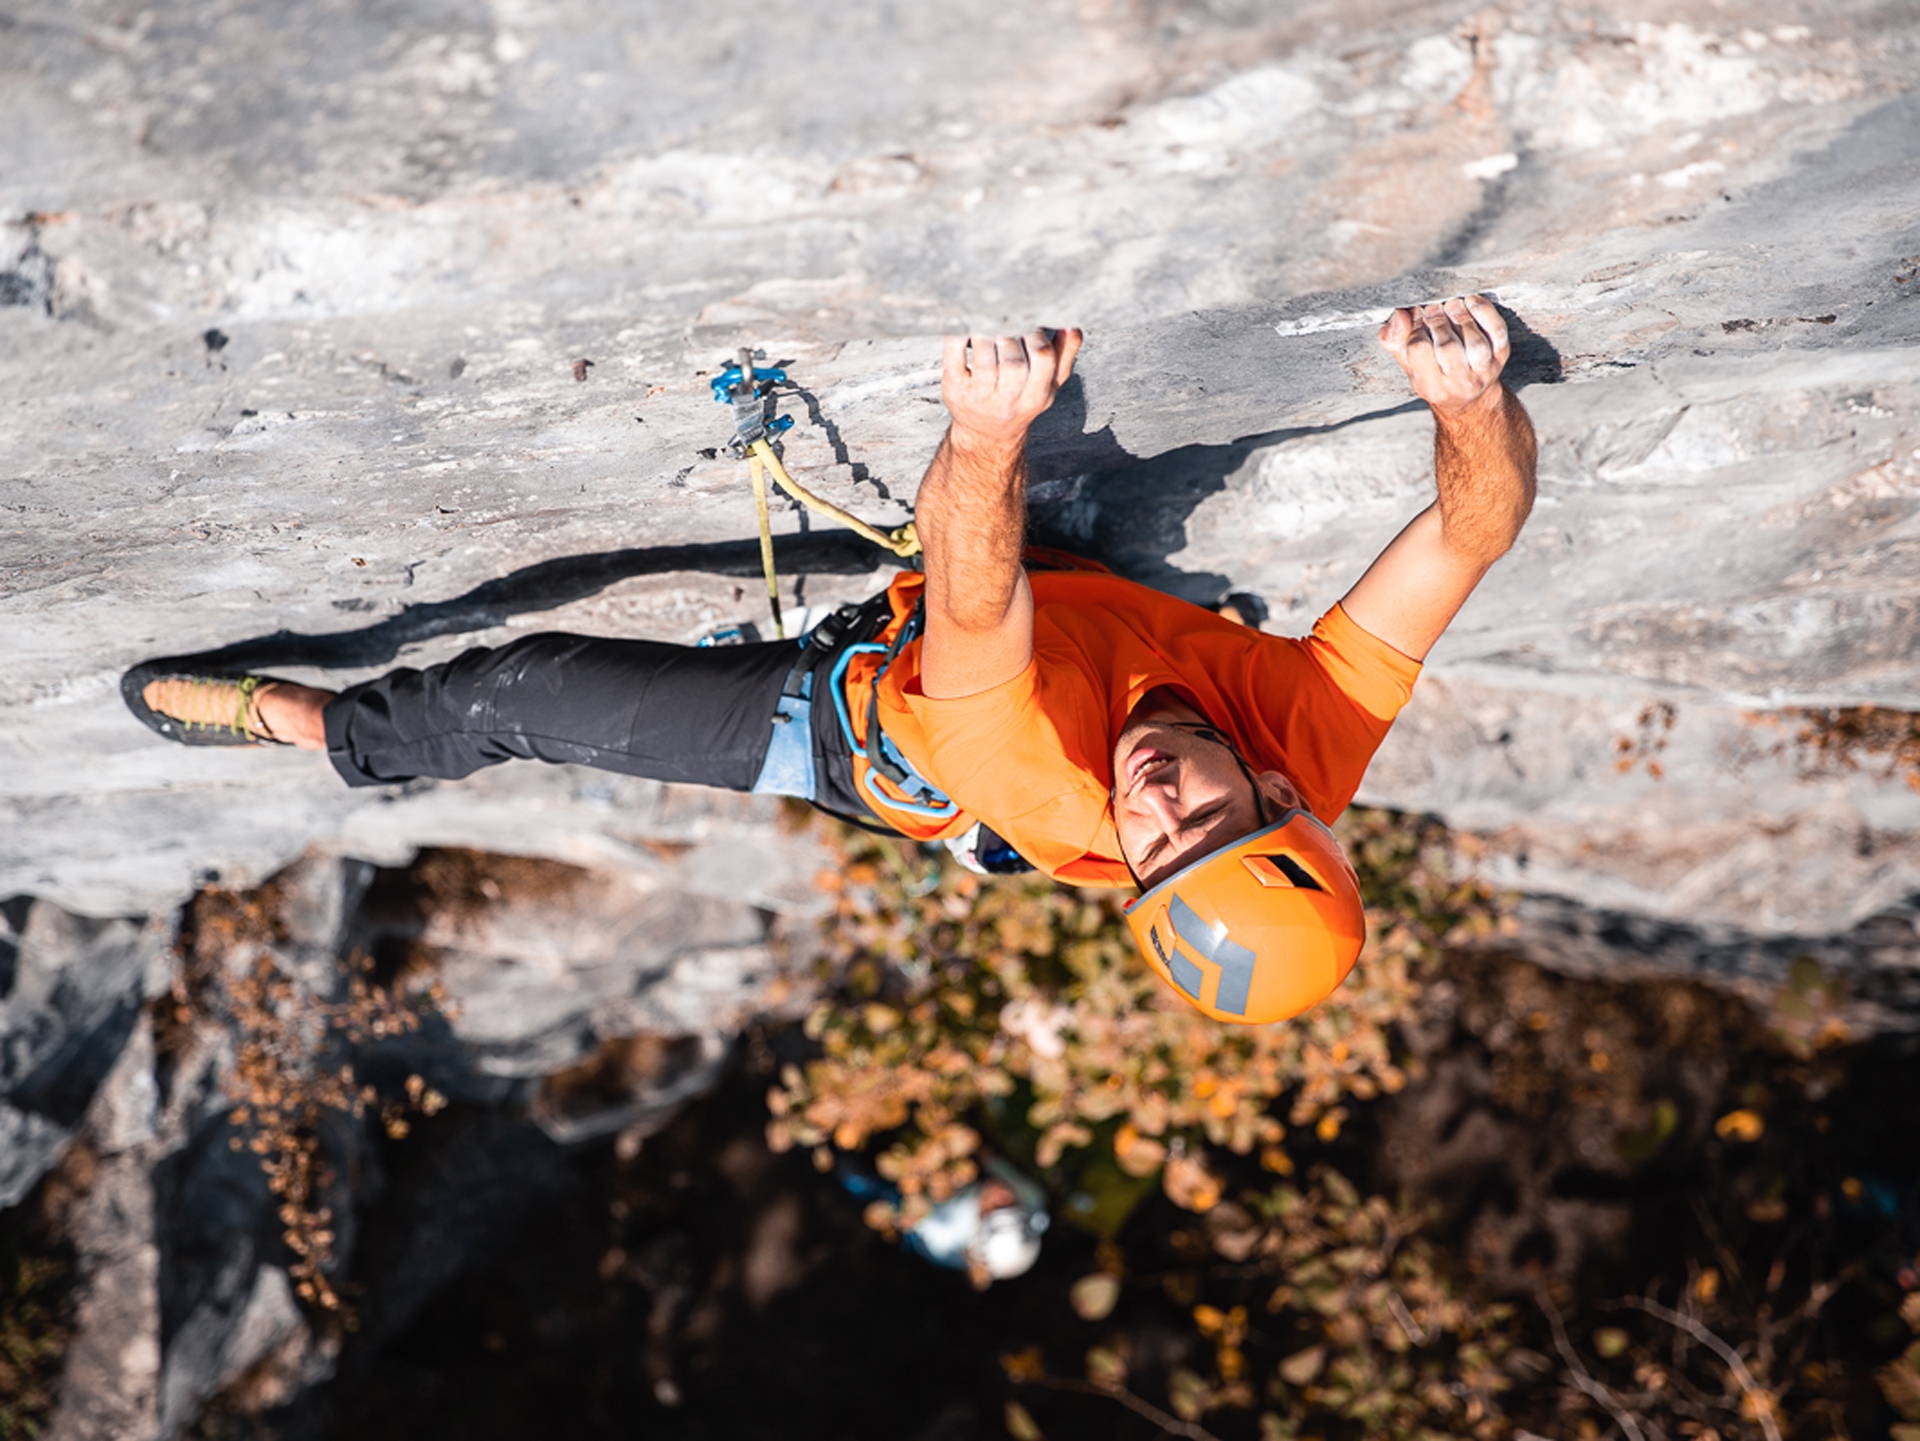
(1452, 351)
(996, 386)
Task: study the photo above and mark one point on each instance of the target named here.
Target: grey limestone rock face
(291, 349)
(73, 994)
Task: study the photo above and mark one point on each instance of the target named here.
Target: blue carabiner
(723, 384)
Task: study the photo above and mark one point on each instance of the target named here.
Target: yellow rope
(903, 542)
(759, 476)
(761, 461)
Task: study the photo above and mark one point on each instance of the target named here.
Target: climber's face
(1180, 792)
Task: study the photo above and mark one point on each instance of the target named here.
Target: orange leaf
(1023, 1365)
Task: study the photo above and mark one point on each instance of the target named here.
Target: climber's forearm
(971, 513)
(972, 508)
(971, 518)
(1483, 461)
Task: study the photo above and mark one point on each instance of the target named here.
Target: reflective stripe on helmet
(1235, 961)
(1275, 919)
(1186, 973)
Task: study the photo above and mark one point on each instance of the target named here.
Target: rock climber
(1005, 700)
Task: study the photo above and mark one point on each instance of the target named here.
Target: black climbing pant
(643, 708)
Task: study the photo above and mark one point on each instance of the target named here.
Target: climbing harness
(788, 767)
(917, 795)
(749, 392)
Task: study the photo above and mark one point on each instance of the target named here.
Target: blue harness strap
(788, 768)
(931, 801)
(920, 796)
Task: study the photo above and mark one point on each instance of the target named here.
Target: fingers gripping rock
(996, 386)
(1452, 351)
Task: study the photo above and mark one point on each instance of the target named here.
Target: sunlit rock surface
(297, 305)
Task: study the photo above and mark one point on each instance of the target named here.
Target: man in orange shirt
(1109, 734)
(1114, 735)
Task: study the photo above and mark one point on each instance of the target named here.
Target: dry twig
(1758, 1400)
(1168, 1423)
(1583, 1378)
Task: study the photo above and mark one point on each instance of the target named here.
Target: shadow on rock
(538, 587)
(1092, 496)
(1135, 519)
(1089, 494)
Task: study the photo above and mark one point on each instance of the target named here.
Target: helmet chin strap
(1207, 732)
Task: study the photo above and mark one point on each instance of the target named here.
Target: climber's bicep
(1412, 592)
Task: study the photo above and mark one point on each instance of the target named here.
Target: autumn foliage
(295, 1042)
(1015, 1015)
(1016, 1006)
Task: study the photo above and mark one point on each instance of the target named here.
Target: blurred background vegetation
(1671, 1273)
(1467, 1197)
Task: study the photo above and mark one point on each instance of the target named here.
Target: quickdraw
(750, 393)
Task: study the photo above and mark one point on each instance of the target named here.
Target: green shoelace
(208, 686)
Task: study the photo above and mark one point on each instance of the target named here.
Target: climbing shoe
(196, 710)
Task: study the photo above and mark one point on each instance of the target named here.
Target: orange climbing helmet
(1259, 930)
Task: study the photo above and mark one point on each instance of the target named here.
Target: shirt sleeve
(1327, 701)
(1370, 673)
(1023, 756)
